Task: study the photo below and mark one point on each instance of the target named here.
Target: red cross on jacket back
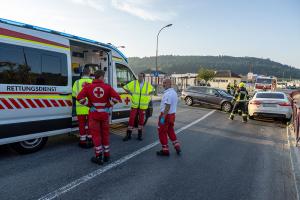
(99, 95)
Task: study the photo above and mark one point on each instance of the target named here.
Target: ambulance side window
(30, 66)
(124, 75)
(12, 64)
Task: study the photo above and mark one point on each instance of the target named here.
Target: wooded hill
(238, 65)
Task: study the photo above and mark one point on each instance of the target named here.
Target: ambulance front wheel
(29, 146)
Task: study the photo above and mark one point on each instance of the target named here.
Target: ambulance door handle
(64, 94)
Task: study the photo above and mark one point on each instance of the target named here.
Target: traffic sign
(155, 73)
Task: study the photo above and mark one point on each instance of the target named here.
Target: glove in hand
(93, 109)
(162, 120)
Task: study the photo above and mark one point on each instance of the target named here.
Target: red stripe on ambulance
(62, 103)
(69, 102)
(6, 103)
(23, 103)
(39, 103)
(15, 103)
(11, 103)
(54, 103)
(31, 103)
(47, 103)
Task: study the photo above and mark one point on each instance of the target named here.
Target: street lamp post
(156, 67)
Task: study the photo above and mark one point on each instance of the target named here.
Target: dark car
(209, 96)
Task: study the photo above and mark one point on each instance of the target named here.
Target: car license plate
(269, 105)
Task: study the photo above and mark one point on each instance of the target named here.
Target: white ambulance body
(37, 70)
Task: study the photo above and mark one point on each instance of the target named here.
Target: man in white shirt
(166, 120)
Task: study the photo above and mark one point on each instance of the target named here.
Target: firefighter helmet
(241, 84)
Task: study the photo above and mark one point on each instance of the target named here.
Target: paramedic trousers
(167, 130)
(133, 113)
(100, 135)
(83, 131)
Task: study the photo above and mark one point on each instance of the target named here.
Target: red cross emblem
(98, 92)
(127, 100)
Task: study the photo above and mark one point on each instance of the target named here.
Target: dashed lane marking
(116, 163)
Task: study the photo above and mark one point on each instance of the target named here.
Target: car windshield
(223, 93)
(270, 95)
(264, 80)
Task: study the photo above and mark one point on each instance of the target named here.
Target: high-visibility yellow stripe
(117, 58)
(33, 42)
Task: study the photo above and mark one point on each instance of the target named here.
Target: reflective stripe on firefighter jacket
(140, 97)
(77, 87)
(241, 95)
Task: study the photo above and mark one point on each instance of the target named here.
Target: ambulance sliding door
(122, 76)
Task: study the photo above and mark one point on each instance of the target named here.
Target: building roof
(226, 74)
(150, 71)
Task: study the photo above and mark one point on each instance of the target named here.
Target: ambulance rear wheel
(29, 146)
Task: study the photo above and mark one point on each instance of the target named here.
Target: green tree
(205, 74)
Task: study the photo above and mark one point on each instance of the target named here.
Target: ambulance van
(37, 69)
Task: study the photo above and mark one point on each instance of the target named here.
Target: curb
(295, 158)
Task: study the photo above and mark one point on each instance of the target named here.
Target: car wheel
(29, 146)
(226, 107)
(286, 120)
(189, 101)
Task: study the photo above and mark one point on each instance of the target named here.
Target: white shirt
(141, 85)
(169, 97)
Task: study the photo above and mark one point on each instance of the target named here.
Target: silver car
(270, 104)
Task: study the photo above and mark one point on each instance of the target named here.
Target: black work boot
(231, 116)
(89, 143)
(245, 118)
(97, 159)
(128, 136)
(83, 144)
(178, 150)
(140, 135)
(106, 158)
(240, 112)
(162, 153)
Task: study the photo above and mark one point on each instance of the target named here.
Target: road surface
(221, 159)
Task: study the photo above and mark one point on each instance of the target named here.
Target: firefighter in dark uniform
(240, 98)
(228, 88)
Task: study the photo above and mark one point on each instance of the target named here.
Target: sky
(254, 28)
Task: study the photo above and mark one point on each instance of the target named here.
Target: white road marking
(293, 168)
(116, 163)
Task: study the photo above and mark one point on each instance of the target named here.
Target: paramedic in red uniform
(99, 96)
(167, 119)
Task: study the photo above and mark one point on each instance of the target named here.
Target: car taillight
(255, 102)
(284, 104)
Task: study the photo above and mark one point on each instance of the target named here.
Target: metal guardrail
(295, 95)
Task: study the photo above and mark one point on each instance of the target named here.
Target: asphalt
(221, 159)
